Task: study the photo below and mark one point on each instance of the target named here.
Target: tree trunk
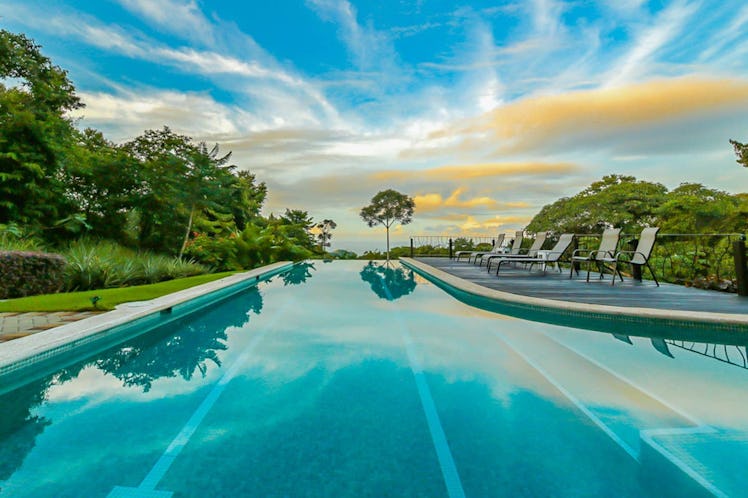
(187, 233)
(388, 243)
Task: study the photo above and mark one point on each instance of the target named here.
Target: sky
(482, 111)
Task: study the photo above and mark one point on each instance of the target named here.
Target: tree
(615, 201)
(741, 150)
(323, 233)
(34, 132)
(386, 208)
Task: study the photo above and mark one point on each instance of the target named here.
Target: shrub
(30, 273)
(102, 264)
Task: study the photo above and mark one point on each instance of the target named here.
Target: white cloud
(637, 62)
(182, 18)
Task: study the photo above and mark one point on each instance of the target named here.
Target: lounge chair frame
(607, 249)
(640, 256)
(552, 256)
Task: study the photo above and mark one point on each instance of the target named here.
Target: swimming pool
(358, 379)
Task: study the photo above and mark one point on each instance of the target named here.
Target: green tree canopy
(388, 207)
(34, 132)
(615, 201)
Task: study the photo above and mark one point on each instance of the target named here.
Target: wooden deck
(558, 286)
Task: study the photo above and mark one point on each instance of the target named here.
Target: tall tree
(100, 179)
(164, 157)
(34, 132)
(324, 234)
(388, 207)
(207, 176)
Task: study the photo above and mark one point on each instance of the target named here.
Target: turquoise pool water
(358, 379)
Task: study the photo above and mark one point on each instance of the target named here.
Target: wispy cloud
(180, 17)
(637, 61)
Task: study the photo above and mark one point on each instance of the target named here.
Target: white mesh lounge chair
(531, 252)
(514, 251)
(552, 256)
(639, 256)
(470, 254)
(607, 249)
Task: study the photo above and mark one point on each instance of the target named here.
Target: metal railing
(709, 260)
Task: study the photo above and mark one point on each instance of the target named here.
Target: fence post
(741, 269)
(574, 247)
(450, 248)
(411, 247)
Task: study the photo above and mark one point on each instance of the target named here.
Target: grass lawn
(81, 301)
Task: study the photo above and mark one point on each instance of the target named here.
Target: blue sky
(483, 111)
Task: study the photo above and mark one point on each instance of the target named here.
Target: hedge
(30, 273)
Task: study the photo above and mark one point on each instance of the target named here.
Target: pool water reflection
(338, 379)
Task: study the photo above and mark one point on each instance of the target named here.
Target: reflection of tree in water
(179, 348)
(400, 282)
(18, 427)
(298, 274)
(182, 347)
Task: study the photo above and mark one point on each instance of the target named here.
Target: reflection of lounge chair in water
(552, 256)
(475, 254)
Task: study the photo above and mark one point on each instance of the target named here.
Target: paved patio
(15, 325)
(555, 285)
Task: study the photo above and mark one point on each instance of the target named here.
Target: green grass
(81, 301)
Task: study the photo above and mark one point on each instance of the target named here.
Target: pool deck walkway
(15, 325)
(558, 286)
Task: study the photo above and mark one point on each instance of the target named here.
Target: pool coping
(43, 344)
(570, 306)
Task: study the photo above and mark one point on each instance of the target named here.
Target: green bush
(103, 264)
(30, 273)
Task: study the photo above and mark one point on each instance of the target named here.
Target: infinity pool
(363, 379)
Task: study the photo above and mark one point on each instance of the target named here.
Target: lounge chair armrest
(582, 251)
(632, 253)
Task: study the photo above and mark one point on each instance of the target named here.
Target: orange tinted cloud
(434, 202)
(527, 123)
(467, 171)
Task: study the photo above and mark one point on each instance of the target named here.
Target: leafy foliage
(741, 150)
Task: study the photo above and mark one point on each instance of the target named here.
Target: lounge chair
(531, 252)
(514, 251)
(552, 256)
(639, 256)
(607, 249)
(496, 249)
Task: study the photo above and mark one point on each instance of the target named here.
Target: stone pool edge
(43, 343)
(570, 306)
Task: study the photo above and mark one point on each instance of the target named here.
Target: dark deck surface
(554, 285)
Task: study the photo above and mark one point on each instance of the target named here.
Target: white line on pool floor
(438, 437)
(149, 483)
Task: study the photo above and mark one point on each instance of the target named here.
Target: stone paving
(15, 325)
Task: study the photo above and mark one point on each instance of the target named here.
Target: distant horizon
(483, 113)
